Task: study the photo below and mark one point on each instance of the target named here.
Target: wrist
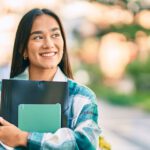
(23, 138)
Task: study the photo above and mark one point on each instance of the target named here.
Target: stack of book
(34, 105)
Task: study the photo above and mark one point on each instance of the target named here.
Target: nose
(48, 43)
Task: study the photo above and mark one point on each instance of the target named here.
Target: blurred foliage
(128, 30)
(133, 5)
(140, 72)
(94, 73)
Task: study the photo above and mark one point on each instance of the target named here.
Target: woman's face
(45, 45)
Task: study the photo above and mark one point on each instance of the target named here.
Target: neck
(41, 74)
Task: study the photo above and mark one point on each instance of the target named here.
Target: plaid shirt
(82, 129)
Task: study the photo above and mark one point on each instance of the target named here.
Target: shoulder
(22, 76)
(77, 89)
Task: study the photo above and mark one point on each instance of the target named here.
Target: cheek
(32, 55)
(32, 49)
(61, 44)
(61, 49)
(32, 46)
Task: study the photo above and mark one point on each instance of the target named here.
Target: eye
(55, 35)
(38, 37)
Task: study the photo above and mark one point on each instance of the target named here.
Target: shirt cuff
(34, 141)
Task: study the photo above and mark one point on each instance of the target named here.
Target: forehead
(43, 22)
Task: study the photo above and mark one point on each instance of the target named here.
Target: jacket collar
(59, 76)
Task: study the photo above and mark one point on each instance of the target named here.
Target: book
(16, 92)
(39, 117)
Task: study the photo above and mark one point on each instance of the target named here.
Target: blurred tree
(128, 30)
(140, 72)
(133, 5)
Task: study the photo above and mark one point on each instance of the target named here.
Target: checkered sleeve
(83, 134)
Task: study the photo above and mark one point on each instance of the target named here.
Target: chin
(51, 67)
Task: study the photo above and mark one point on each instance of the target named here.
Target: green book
(39, 117)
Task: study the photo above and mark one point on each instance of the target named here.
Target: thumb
(3, 122)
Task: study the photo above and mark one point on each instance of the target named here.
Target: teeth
(48, 54)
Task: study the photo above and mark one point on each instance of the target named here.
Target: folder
(16, 92)
(39, 117)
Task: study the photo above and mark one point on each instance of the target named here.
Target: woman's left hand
(11, 135)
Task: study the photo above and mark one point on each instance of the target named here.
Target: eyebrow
(40, 32)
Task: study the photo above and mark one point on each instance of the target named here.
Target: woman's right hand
(11, 135)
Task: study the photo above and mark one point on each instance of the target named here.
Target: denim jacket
(82, 129)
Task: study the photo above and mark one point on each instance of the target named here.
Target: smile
(48, 54)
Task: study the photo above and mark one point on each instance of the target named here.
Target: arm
(83, 134)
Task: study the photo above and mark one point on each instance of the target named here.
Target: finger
(3, 122)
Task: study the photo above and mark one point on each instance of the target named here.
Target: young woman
(40, 53)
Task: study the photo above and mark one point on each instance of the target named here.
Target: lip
(48, 54)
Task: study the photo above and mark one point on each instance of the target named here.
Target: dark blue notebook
(16, 92)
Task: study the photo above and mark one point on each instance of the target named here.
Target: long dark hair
(22, 36)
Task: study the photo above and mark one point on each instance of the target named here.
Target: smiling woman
(40, 53)
(45, 46)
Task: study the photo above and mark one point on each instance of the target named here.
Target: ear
(25, 54)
